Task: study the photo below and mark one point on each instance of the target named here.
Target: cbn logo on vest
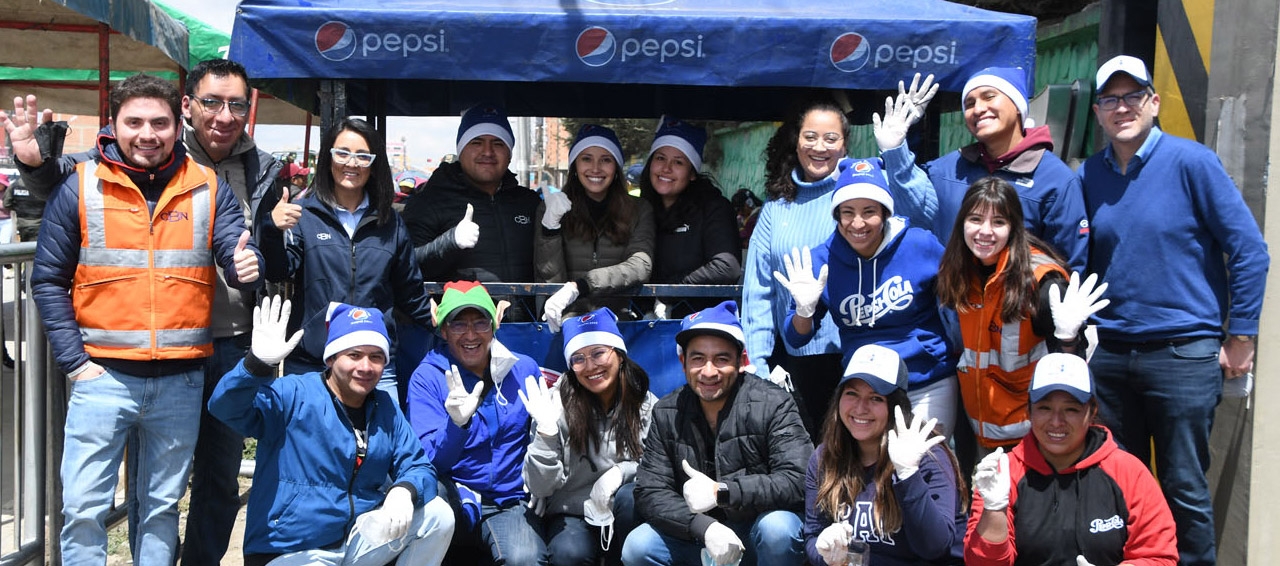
(174, 216)
(852, 51)
(596, 47)
(522, 219)
(323, 236)
(338, 41)
(1104, 525)
(893, 295)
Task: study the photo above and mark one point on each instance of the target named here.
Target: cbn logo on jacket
(894, 294)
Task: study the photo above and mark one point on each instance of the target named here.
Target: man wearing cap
(724, 462)
(472, 220)
(1008, 146)
(464, 403)
(1185, 262)
(215, 107)
(296, 175)
(327, 442)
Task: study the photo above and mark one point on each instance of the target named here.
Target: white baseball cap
(1062, 372)
(1126, 64)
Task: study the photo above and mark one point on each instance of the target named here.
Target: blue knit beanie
(861, 178)
(599, 326)
(485, 119)
(1012, 81)
(594, 135)
(351, 326)
(686, 137)
(720, 320)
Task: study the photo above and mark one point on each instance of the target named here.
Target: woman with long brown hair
(881, 476)
(1001, 280)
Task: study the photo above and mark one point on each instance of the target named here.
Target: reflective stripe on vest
(161, 274)
(993, 431)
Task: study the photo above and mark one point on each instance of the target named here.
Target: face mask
(599, 516)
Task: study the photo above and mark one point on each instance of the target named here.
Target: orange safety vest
(143, 288)
(998, 360)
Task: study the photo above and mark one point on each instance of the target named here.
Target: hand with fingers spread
(991, 479)
(908, 443)
(805, 289)
(466, 233)
(21, 128)
(833, 543)
(918, 95)
(699, 490)
(723, 544)
(460, 404)
(285, 214)
(557, 205)
(246, 260)
(1074, 307)
(543, 404)
(891, 131)
(270, 322)
(553, 309)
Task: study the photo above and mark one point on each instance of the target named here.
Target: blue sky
(426, 138)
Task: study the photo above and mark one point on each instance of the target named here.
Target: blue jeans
(1166, 394)
(773, 539)
(215, 491)
(102, 412)
(512, 534)
(424, 544)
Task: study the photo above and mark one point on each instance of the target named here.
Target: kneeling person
(327, 443)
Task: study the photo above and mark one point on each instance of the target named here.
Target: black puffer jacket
(506, 219)
(760, 451)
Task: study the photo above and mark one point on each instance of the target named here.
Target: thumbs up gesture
(557, 205)
(466, 233)
(286, 214)
(246, 260)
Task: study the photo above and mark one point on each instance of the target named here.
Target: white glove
(461, 405)
(269, 326)
(891, 131)
(1082, 561)
(699, 490)
(991, 479)
(723, 544)
(553, 309)
(805, 289)
(780, 377)
(606, 485)
(557, 205)
(466, 233)
(542, 405)
(398, 509)
(833, 543)
(909, 443)
(660, 309)
(918, 95)
(1074, 308)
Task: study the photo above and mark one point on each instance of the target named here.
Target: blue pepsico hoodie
(888, 299)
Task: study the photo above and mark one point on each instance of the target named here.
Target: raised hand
(543, 405)
(1074, 307)
(286, 214)
(557, 205)
(270, 322)
(246, 260)
(553, 309)
(21, 127)
(908, 443)
(460, 404)
(466, 233)
(991, 479)
(805, 289)
(918, 95)
(891, 131)
(699, 490)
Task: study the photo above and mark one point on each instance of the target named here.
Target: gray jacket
(604, 267)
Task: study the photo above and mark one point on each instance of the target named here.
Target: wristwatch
(722, 495)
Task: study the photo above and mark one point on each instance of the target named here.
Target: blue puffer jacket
(486, 457)
(374, 269)
(889, 299)
(306, 491)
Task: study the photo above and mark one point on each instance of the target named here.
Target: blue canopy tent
(711, 59)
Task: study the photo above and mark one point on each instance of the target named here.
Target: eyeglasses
(215, 106)
(479, 326)
(811, 139)
(597, 356)
(1133, 100)
(344, 157)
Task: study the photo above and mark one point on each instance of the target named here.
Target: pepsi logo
(862, 167)
(586, 317)
(336, 41)
(596, 46)
(850, 52)
(359, 314)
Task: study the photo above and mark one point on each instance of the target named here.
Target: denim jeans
(1167, 394)
(424, 544)
(215, 491)
(102, 412)
(512, 534)
(773, 539)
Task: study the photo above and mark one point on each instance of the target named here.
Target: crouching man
(328, 443)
